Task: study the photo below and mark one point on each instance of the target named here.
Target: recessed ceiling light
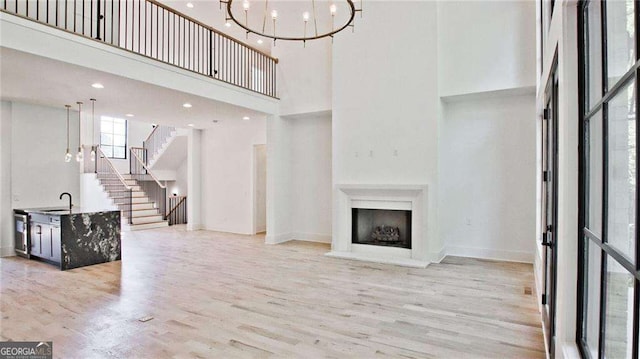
(260, 41)
(246, 118)
(186, 105)
(97, 85)
(129, 115)
(190, 5)
(227, 24)
(190, 125)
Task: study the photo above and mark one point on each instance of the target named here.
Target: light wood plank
(223, 295)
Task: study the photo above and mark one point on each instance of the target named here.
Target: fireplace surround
(411, 198)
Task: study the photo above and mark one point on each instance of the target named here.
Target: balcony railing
(156, 31)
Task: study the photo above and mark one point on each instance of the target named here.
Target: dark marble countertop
(84, 237)
(61, 211)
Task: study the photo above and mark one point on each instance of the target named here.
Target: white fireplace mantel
(380, 196)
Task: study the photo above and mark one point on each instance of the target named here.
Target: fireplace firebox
(381, 227)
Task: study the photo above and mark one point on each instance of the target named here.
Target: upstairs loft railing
(156, 31)
(154, 142)
(155, 191)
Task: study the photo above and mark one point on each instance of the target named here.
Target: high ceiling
(33, 79)
(289, 21)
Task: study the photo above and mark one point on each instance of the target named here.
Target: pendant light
(93, 122)
(79, 155)
(67, 156)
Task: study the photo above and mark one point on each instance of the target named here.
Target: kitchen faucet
(70, 203)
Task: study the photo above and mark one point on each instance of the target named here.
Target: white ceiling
(38, 80)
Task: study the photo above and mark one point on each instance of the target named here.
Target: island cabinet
(46, 237)
(73, 239)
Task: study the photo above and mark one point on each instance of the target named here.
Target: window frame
(585, 236)
(126, 135)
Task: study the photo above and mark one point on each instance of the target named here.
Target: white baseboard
(537, 274)
(494, 254)
(225, 230)
(437, 257)
(365, 257)
(193, 227)
(278, 238)
(312, 237)
(7, 252)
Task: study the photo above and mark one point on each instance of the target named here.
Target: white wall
(311, 178)
(486, 45)
(385, 107)
(180, 185)
(195, 179)
(6, 215)
(227, 168)
(38, 171)
(279, 181)
(487, 178)
(93, 196)
(304, 76)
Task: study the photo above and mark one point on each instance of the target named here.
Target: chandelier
(316, 22)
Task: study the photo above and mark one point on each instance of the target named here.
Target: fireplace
(382, 223)
(381, 227)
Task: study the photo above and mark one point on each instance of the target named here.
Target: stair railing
(156, 31)
(152, 187)
(119, 191)
(154, 142)
(178, 212)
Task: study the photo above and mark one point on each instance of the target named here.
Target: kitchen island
(72, 239)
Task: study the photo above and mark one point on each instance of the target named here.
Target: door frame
(550, 232)
(254, 186)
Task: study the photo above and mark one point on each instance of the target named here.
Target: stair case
(127, 191)
(158, 141)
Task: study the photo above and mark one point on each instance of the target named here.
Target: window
(113, 137)
(609, 265)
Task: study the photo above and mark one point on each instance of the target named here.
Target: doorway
(259, 188)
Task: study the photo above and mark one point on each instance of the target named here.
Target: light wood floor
(214, 295)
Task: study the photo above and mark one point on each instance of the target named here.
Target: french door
(549, 206)
(608, 242)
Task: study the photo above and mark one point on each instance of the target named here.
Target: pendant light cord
(68, 107)
(79, 125)
(93, 121)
